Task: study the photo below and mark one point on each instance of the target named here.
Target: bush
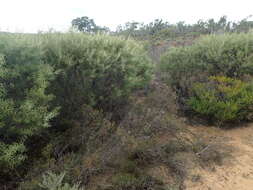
(100, 71)
(229, 55)
(24, 104)
(83, 75)
(223, 99)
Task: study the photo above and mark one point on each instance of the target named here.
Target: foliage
(85, 150)
(227, 55)
(84, 75)
(91, 76)
(140, 30)
(52, 181)
(11, 155)
(68, 150)
(159, 29)
(99, 70)
(223, 98)
(24, 103)
(85, 24)
(86, 134)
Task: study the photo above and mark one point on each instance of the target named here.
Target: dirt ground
(236, 172)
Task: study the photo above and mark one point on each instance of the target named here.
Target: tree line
(163, 29)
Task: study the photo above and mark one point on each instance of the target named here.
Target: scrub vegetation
(99, 110)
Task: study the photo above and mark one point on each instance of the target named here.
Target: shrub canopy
(230, 55)
(188, 70)
(41, 73)
(97, 70)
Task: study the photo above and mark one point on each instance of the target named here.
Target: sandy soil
(236, 173)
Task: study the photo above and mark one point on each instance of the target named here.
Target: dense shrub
(223, 98)
(75, 72)
(229, 55)
(24, 104)
(100, 71)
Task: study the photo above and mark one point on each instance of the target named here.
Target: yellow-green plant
(223, 99)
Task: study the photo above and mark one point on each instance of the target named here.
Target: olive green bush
(223, 99)
(98, 70)
(229, 55)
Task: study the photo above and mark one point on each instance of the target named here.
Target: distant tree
(224, 24)
(141, 30)
(129, 28)
(160, 29)
(85, 24)
(244, 25)
(156, 26)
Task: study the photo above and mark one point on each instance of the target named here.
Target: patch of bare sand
(236, 173)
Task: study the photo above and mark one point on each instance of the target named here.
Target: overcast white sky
(34, 15)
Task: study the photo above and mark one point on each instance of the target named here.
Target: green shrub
(100, 71)
(229, 55)
(24, 104)
(83, 75)
(73, 70)
(223, 99)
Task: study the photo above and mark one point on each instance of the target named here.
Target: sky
(41, 15)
